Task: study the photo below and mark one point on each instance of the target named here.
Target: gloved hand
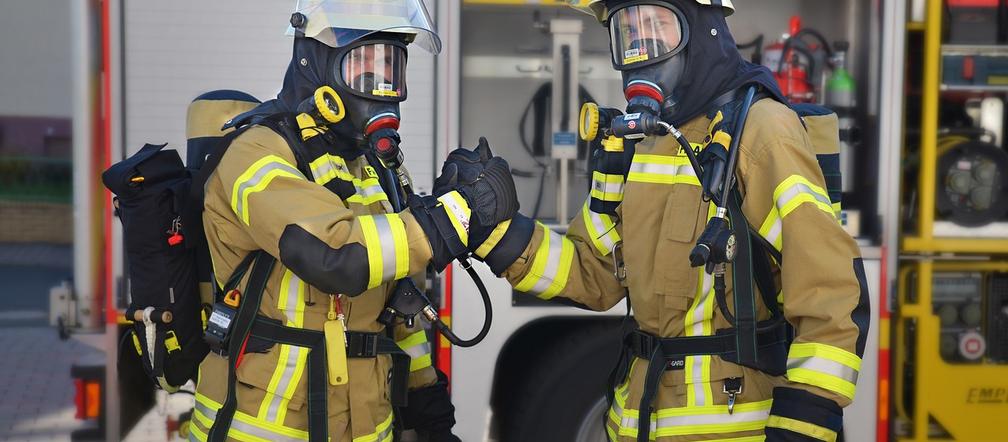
(430, 412)
(485, 182)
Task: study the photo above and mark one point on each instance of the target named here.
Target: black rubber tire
(563, 384)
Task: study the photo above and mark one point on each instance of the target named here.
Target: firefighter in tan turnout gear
(299, 187)
(767, 347)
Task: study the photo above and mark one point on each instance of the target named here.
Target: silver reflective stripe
(600, 231)
(387, 247)
(327, 171)
(697, 329)
(386, 433)
(796, 189)
(775, 229)
(552, 263)
(418, 350)
(369, 191)
(243, 427)
(256, 179)
(290, 366)
(663, 169)
(294, 353)
(825, 366)
(602, 186)
(714, 419)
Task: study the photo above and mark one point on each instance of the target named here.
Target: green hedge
(36, 179)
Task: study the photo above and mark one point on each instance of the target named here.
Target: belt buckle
(369, 345)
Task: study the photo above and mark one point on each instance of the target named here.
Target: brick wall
(22, 221)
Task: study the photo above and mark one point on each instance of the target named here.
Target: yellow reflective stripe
(401, 246)
(607, 187)
(458, 212)
(329, 167)
(286, 374)
(662, 169)
(387, 247)
(412, 340)
(710, 419)
(196, 433)
(245, 427)
(495, 236)
(601, 230)
(699, 321)
(811, 430)
(420, 363)
(796, 190)
(791, 193)
(772, 227)
(611, 433)
(418, 348)
(259, 175)
(824, 366)
(548, 274)
(369, 191)
(383, 432)
(550, 266)
(373, 245)
(837, 209)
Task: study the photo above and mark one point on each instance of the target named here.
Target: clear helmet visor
(338, 23)
(644, 33)
(376, 71)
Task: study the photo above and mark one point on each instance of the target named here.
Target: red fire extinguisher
(793, 62)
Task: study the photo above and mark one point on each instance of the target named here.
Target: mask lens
(376, 70)
(643, 33)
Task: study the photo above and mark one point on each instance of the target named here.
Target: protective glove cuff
(505, 243)
(798, 415)
(442, 220)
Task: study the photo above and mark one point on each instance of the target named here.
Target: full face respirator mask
(646, 39)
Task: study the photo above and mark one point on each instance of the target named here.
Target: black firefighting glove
(430, 412)
(485, 182)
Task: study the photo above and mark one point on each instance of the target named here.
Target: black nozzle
(637, 125)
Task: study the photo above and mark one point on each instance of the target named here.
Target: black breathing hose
(487, 316)
(428, 311)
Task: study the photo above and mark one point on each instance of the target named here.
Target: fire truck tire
(562, 398)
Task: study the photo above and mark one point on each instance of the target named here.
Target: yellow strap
(811, 430)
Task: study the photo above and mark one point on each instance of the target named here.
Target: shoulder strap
(247, 310)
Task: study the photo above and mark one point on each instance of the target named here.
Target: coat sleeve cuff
(506, 243)
(798, 415)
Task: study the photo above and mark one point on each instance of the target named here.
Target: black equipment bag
(151, 189)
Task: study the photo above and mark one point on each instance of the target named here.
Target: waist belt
(249, 324)
(772, 339)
